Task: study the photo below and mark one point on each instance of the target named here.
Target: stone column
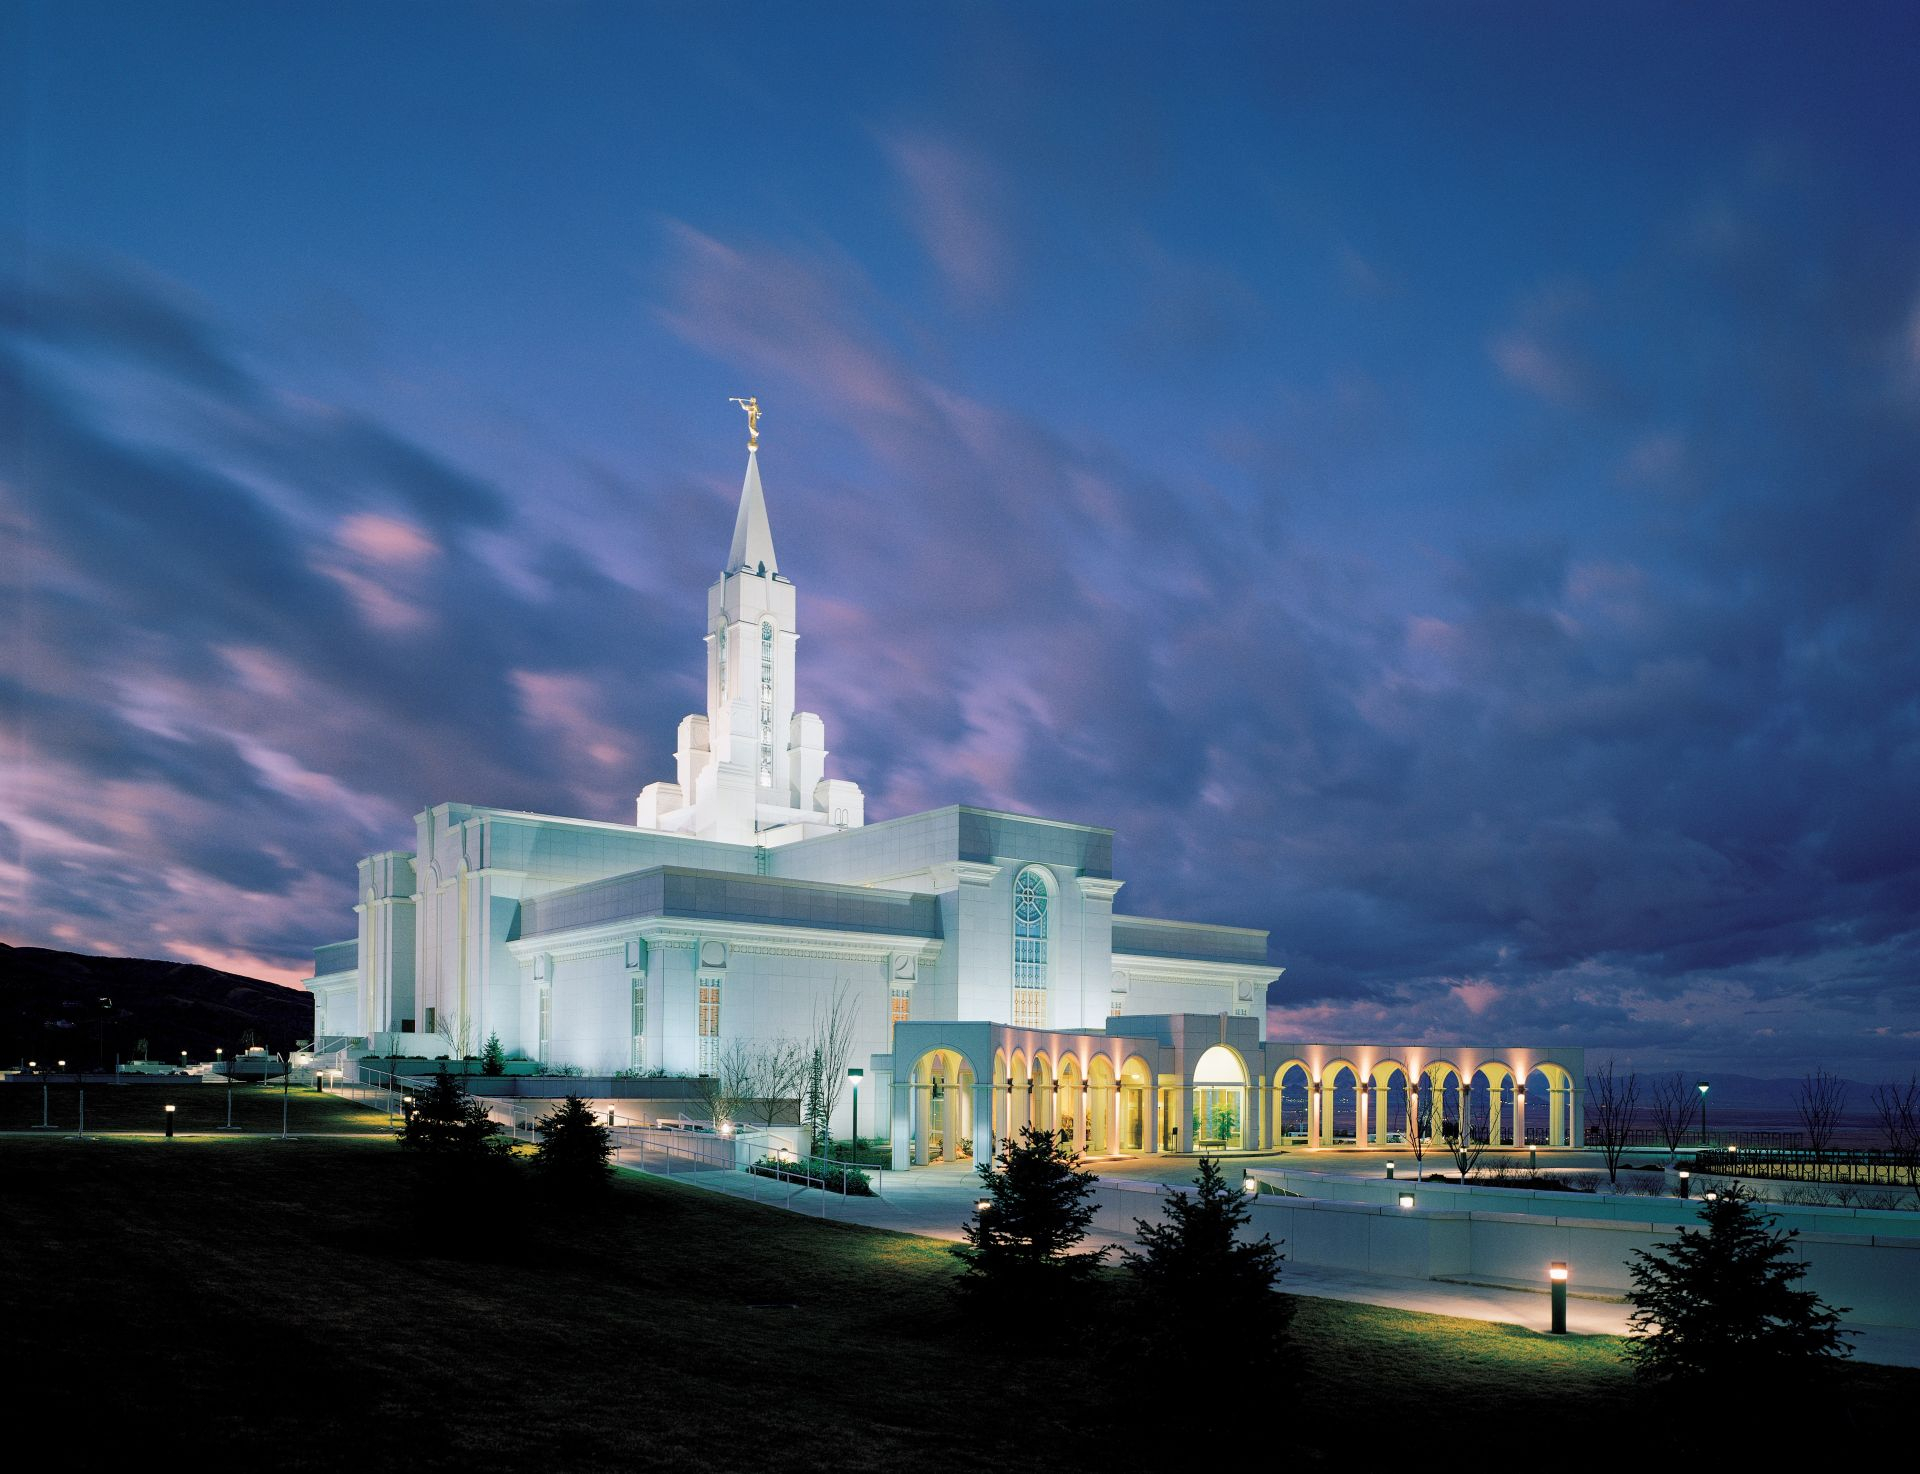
(1362, 1111)
(1380, 1098)
(1436, 1106)
(983, 1122)
(1256, 1127)
(1556, 1116)
(1150, 1118)
(1519, 1114)
(1577, 1124)
(902, 1124)
(1314, 1114)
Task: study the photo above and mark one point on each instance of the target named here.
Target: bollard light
(1557, 1274)
(1249, 1186)
(1389, 1172)
(1406, 1200)
(1686, 1183)
(169, 1110)
(982, 1205)
(1712, 1196)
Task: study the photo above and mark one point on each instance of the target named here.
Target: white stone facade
(750, 890)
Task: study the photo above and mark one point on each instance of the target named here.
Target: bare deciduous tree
(1417, 1126)
(726, 1092)
(833, 1029)
(777, 1073)
(1821, 1100)
(1461, 1139)
(1673, 1102)
(1613, 1110)
(1898, 1109)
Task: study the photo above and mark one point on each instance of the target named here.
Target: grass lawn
(198, 1107)
(305, 1305)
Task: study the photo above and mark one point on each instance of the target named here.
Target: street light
(170, 1111)
(1557, 1273)
(1702, 1088)
(854, 1077)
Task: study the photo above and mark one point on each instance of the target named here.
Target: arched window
(1030, 904)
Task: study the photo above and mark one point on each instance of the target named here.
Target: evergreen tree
(813, 1109)
(1203, 1289)
(575, 1148)
(1717, 1311)
(446, 1121)
(1019, 1247)
(493, 1059)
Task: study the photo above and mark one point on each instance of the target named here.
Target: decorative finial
(751, 404)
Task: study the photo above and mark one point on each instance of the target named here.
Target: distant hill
(51, 1006)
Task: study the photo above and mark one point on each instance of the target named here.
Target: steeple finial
(751, 404)
(752, 549)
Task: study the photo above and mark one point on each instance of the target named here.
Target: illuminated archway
(1219, 1100)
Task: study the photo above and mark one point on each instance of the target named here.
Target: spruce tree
(1019, 1247)
(493, 1059)
(576, 1148)
(446, 1121)
(1717, 1310)
(1203, 1289)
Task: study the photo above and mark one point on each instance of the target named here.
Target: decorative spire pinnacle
(752, 535)
(751, 404)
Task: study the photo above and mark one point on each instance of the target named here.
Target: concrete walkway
(933, 1202)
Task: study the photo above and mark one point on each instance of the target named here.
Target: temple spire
(752, 537)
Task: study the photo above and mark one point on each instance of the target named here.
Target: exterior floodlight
(62, 1063)
(1712, 1197)
(1406, 1200)
(1557, 1273)
(726, 1128)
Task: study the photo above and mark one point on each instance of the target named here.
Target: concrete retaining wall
(1877, 1278)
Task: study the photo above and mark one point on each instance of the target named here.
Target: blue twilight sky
(1440, 481)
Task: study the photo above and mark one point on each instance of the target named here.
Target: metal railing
(1851, 1165)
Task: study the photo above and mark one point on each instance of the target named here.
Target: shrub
(816, 1173)
(576, 1149)
(1205, 1292)
(447, 1121)
(1019, 1248)
(1717, 1311)
(493, 1059)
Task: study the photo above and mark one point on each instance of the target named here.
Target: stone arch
(942, 1108)
(1041, 1085)
(1000, 1101)
(1292, 1099)
(1102, 1100)
(1552, 1101)
(1070, 1099)
(1384, 1107)
(1503, 1102)
(1331, 1074)
(1136, 1090)
(1019, 1093)
(1440, 1081)
(1219, 1084)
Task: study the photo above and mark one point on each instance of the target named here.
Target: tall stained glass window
(1030, 902)
(709, 1025)
(637, 1054)
(766, 704)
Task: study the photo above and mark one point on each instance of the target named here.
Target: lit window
(545, 1050)
(1029, 950)
(766, 704)
(901, 1006)
(709, 1025)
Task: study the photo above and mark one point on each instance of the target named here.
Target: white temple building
(980, 952)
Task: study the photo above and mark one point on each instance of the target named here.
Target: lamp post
(169, 1110)
(1557, 1274)
(854, 1077)
(46, 1105)
(286, 1089)
(1702, 1088)
(218, 1055)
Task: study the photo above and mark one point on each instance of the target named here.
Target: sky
(1441, 482)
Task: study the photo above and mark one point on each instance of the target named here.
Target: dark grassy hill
(51, 1008)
